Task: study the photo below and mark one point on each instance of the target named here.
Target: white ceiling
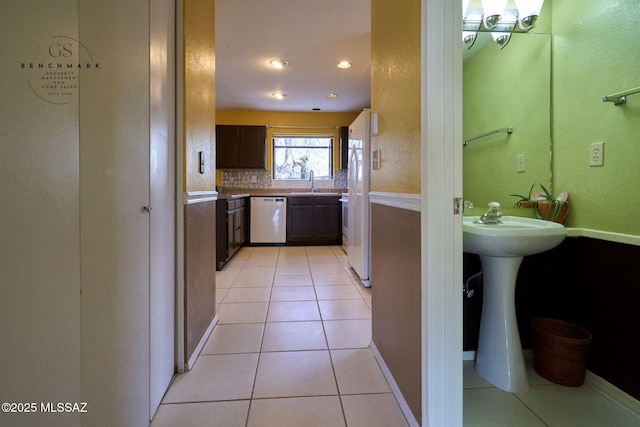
(313, 35)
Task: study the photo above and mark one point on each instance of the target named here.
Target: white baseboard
(200, 346)
(613, 393)
(395, 390)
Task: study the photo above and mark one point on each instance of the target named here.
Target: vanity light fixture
(495, 17)
(469, 38)
(278, 95)
(528, 12)
(278, 63)
(493, 11)
(501, 38)
(344, 65)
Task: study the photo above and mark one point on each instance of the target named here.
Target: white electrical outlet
(520, 166)
(596, 154)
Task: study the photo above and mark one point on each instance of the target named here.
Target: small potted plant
(525, 201)
(546, 206)
(550, 208)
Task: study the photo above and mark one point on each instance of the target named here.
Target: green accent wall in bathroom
(596, 52)
(501, 88)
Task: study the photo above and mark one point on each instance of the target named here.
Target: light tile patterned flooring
(546, 404)
(291, 349)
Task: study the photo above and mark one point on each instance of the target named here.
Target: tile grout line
(530, 409)
(321, 320)
(333, 367)
(264, 328)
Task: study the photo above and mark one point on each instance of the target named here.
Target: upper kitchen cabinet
(241, 147)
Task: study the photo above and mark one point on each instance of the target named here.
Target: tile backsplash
(256, 178)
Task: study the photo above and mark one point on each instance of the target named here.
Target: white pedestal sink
(501, 248)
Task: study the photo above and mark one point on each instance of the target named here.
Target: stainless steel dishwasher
(268, 220)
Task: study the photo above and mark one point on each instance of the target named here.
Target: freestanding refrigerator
(359, 241)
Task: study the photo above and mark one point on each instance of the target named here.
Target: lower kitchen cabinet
(314, 221)
(231, 228)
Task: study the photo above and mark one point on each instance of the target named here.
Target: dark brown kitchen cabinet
(314, 220)
(231, 228)
(299, 219)
(241, 147)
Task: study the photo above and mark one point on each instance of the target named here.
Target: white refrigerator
(359, 233)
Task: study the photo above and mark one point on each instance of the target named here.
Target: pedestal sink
(501, 248)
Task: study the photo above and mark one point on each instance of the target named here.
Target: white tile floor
(546, 404)
(291, 349)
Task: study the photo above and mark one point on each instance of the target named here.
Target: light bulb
(493, 10)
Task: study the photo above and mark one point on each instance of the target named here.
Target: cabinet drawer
(300, 200)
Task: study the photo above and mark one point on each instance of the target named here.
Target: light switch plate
(375, 160)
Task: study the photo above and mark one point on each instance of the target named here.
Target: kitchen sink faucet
(313, 188)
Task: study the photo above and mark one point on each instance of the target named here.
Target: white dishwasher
(268, 220)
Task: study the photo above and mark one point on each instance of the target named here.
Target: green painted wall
(508, 87)
(596, 52)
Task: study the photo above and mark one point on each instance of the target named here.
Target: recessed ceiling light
(344, 64)
(278, 95)
(332, 95)
(278, 63)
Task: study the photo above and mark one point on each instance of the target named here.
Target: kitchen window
(294, 156)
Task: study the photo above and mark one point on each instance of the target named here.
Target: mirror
(502, 88)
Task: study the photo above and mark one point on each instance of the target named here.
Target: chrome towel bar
(508, 130)
(620, 97)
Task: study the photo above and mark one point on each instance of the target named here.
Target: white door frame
(441, 182)
(162, 218)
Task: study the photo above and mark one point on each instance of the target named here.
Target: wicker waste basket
(560, 351)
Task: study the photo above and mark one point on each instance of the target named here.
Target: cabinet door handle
(146, 209)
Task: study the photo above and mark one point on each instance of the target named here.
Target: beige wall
(395, 93)
(39, 219)
(199, 93)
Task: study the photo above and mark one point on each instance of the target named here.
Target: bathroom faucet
(492, 216)
(313, 188)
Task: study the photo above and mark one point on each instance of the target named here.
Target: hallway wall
(199, 136)
(395, 94)
(395, 230)
(39, 218)
(74, 293)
